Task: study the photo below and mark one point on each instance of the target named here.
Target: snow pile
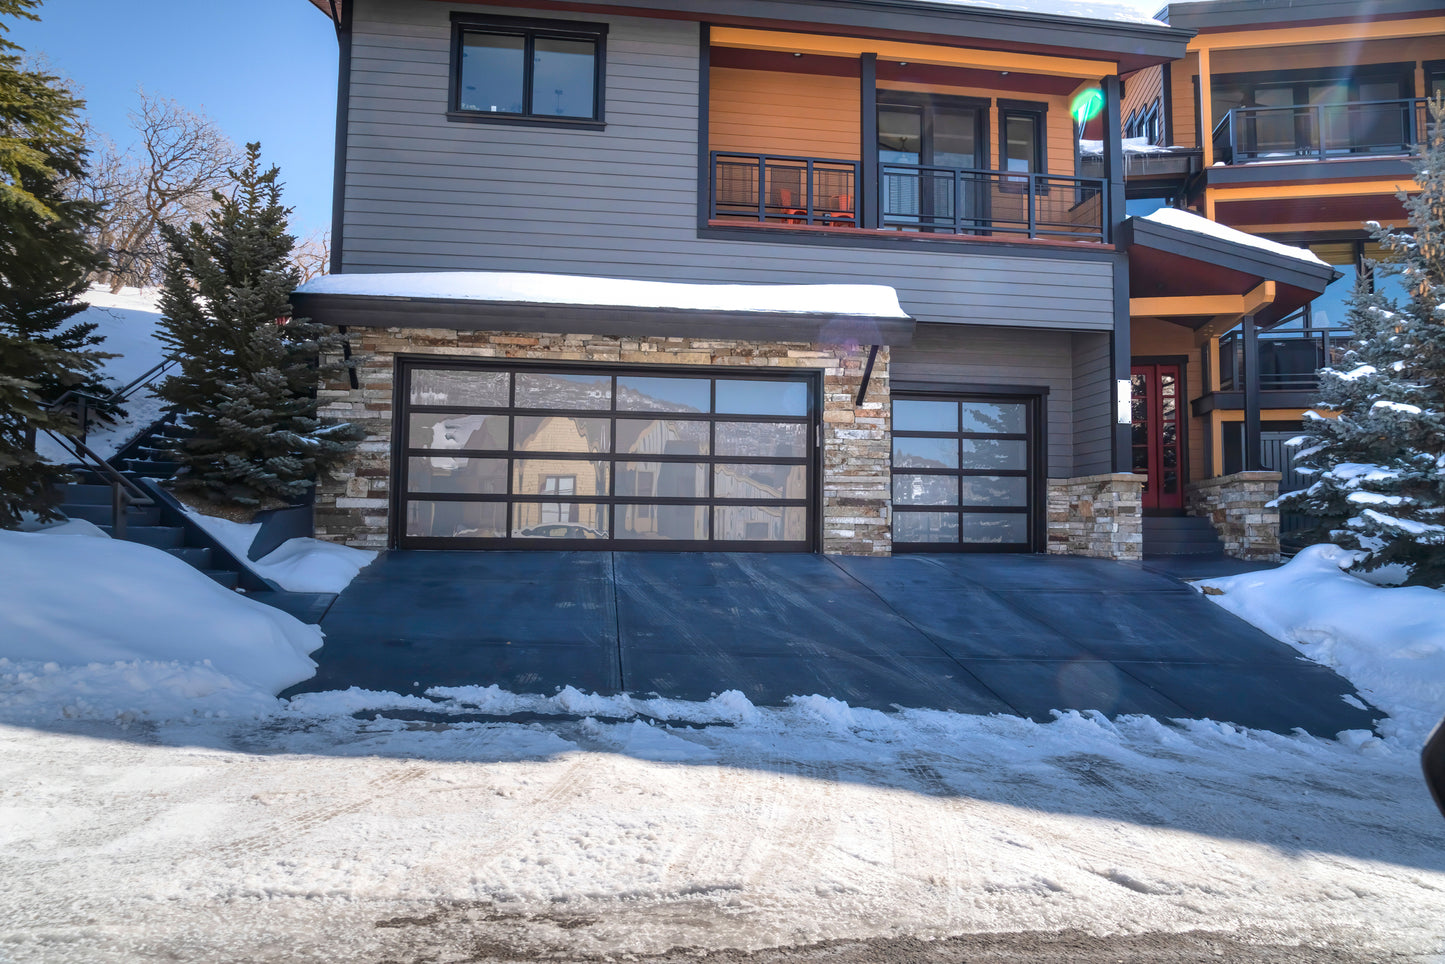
(872, 301)
(128, 320)
(297, 565)
(1185, 221)
(99, 627)
(1389, 642)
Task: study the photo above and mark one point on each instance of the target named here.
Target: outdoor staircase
(1182, 535)
(163, 525)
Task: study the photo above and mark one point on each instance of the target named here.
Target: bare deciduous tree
(312, 255)
(166, 178)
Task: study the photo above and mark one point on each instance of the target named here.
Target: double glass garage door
(517, 457)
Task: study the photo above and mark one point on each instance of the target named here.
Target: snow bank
(128, 320)
(297, 565)
(1389, 642)
(1185, 221)
(872, 301)
(98, 627)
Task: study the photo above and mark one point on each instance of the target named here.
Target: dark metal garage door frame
(1035, 398)
(400, 453)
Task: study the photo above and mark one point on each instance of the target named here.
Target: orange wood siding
(1059, 125)
(1186, 126)
(765, 112)
(1141, 90)
(1150, 336)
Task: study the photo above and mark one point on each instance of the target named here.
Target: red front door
(1156, 434)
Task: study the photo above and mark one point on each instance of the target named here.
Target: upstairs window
(1021, 140)
(527, 71)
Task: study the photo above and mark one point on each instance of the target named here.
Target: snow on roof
(1117, 12)
(871, 301)
(1185, 221)
(1132, 145)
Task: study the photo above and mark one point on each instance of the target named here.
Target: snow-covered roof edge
(1187, 221)
(505, 287)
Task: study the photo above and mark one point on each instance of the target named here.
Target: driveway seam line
(617, 623)
(926, 635)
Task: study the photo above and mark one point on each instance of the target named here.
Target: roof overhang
(332, 9)
(825, 326)
(1206, 282)
(1244, 14)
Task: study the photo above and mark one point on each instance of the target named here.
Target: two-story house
(1296, 122)
(808, 275)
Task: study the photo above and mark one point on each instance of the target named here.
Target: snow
(1354, 374)
(96, 627)
(1185, 221)
(1402, 407)
(1406, 525)
(128, 319)
(1389, 642)
(1131, 145)
(297, 565)
(873, 301)
(158, 800)
(1137, 12)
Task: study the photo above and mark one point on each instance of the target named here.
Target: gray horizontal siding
(1093, 405)
(1003, 358)
(423, 193)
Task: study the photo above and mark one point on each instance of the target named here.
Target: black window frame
(530, 29)
(1038, 113)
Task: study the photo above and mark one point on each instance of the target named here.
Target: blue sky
(262, 69)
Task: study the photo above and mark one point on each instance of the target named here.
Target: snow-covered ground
(604, 827)
(128, 321)
(297, 565)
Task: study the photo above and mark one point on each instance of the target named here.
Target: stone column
(1100, 516)
(1239, 506)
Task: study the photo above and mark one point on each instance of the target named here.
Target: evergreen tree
(1379, 464)
(248, 372)
(44, 262)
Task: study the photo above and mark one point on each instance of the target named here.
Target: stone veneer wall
(1238, 505)
(1101, 516)
(353, 504)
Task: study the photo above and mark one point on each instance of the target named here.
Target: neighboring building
(1313, 110)
(498, 168)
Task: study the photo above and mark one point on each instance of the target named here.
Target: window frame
(1038, 113)
(530, 30)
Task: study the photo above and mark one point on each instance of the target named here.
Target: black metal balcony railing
(1289, 361)
(929, 199)
(784, 190)
(1321, 131)
(958, 200)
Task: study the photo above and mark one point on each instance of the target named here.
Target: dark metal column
(866, 193)
(1120, 344)
(1252, 454)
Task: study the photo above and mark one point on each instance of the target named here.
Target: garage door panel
(502, 455)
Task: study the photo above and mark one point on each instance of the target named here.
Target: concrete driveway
(971, 633)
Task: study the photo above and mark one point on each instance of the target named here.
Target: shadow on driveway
(970, 633)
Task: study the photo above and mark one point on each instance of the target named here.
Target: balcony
(920, 199)
(1321, 132)
(1289, 361)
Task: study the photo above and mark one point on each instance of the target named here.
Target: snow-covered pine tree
(44, 262)
(1379, 464)
(248, 371)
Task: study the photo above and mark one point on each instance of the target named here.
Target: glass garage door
(965, 473)
(593, 458)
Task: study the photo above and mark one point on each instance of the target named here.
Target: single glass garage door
(966, 473)
(599, 458)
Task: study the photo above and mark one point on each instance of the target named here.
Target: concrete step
(161, 537)
(80, 493)
(197, 556)
(101, 514)
(1180, 536)
(225, 577)
(152, 469)
(1183, 549)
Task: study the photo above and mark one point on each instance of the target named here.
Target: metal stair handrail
(88, 401)
(124, 492)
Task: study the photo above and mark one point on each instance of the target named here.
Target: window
(1021, 138)
(511, 70)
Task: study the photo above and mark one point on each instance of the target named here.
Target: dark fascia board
(1132, 45)
(1218, 14)
(332, 8)
(369, 311)
(1268, 265)
(1332, 170)
(1234, 401)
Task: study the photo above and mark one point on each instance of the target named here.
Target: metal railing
(1289, 361)
(779, 189)
(86, 403)
(958, 200)
(1321, 131)
(124, 493)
